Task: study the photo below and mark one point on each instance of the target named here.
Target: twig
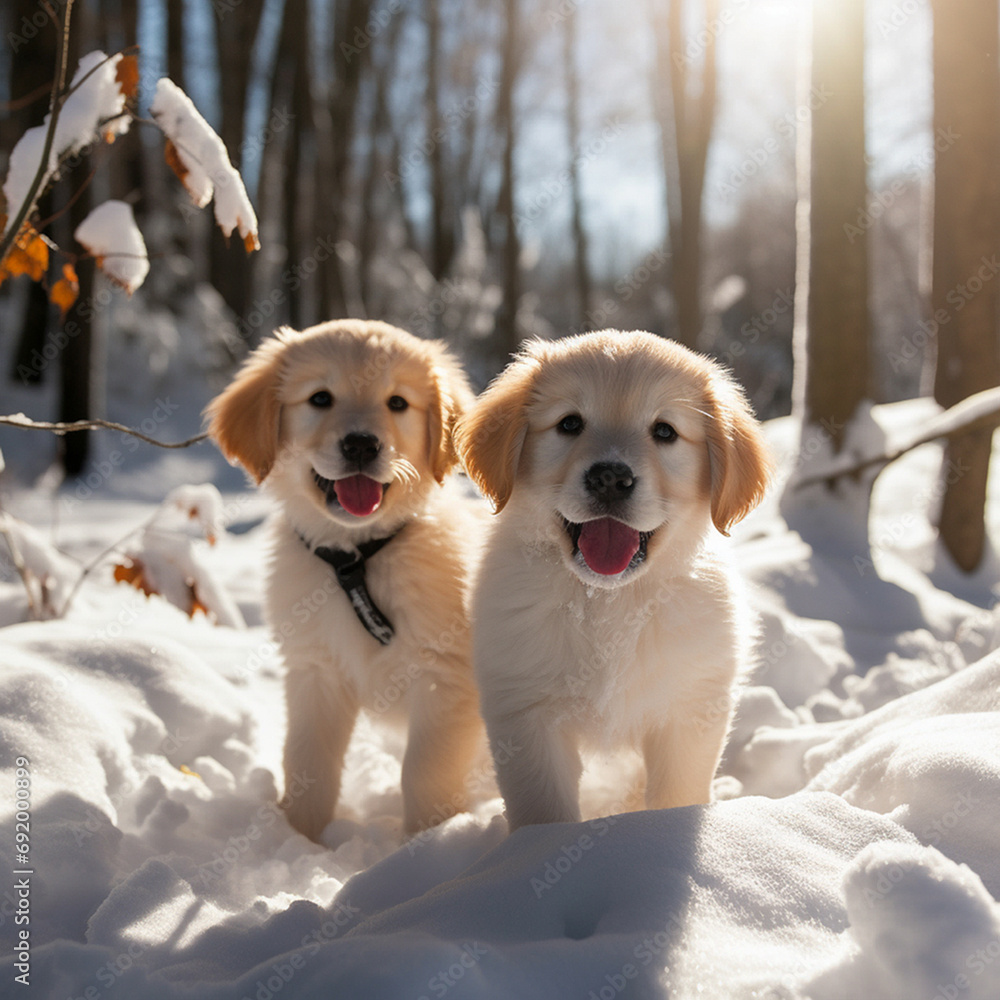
(12, 107)
(19, 564)
(97, 560)
(950, 424)
(69, 204)
(17, 420)
(55, 108)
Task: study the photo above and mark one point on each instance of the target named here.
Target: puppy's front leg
(538, 768)
(443, 734)
(321, 716)
(681, 761)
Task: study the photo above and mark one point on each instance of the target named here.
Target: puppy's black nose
(609, 480)
(360, 449)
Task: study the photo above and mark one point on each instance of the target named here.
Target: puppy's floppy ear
(738, 461)
(451, 398)
(244, 418)
(490, 438)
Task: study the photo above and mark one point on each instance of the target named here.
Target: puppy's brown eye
(322, 400)
(570, 424)
(397, 403)
(664, 432)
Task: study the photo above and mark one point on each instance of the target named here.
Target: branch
(19, 420)
(978, 412)
(19, 565)
(97, 560)
(55, 107)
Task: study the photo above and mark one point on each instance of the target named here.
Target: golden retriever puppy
(348, 425)
(604, 614)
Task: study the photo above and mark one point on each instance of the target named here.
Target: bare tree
(580, 242)
(684, 96)
(442, 215)
(507, 336)
(236, 29)
(832, 356)
(965, 290)
(31, 67)
(335, 118)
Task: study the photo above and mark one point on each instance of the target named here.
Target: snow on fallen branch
(978, 412)
(20, 420)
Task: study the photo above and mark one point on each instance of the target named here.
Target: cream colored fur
(423, 677)
(566, 657)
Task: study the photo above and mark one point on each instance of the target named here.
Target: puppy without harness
(604, 613)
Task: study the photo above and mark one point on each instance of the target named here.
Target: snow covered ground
(853, 852)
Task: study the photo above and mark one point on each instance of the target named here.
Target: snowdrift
(852, 852)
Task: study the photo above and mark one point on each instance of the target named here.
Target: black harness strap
(349, 568)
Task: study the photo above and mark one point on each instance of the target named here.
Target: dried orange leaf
(174, 160)
(65, 291)
(133, 572)
(29, 255)
(127, 75)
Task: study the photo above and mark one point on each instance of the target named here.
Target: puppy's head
(352, 419)
(617, 446)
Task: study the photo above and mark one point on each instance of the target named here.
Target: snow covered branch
(99, 103)
(20, 420)
(978, 412)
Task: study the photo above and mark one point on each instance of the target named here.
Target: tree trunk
(965, 294)
(76, 360)
(580, 256)
(836, 359)
(32, 65)
(335, 137)
(685, 134)
(373, 192)
(236, 29)
(507, 336)
(693, 118)
(442, 229)
(175, 42)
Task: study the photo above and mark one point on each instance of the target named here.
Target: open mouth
(358, 495)
(607, 546)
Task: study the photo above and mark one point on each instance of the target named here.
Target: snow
(110, 233)
(206, 163)
(851, 852)
(94, 108)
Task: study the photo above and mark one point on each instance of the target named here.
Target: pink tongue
(607, 545)
(358, 495)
